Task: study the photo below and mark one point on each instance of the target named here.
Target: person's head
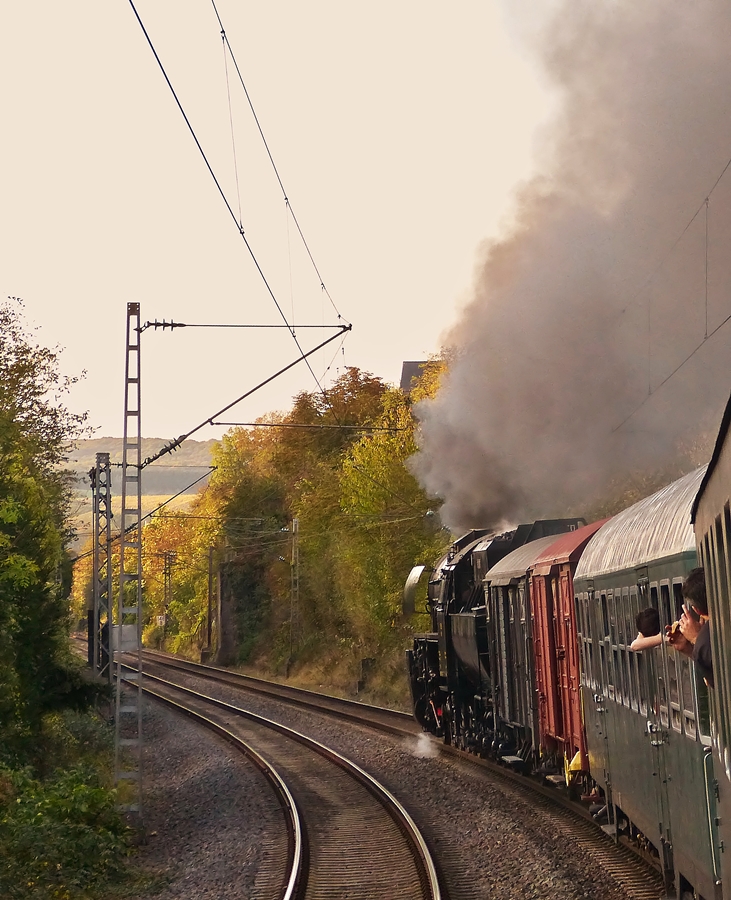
(648, 622)
(694, 591)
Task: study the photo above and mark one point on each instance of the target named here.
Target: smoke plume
(596, 294)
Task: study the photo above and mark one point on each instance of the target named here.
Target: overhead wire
(132, 527)
(224, 36)
(173, 445)
(239, 226)
(303, 356)
(651, 391)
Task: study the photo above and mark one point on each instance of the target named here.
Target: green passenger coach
(646, 715)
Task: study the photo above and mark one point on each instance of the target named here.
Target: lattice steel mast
(101, 493)
(128, 718)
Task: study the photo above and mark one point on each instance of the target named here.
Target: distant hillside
(173, 473)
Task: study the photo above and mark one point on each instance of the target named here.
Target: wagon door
(544, 646)
(568, 662)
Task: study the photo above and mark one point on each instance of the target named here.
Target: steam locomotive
(528, 661)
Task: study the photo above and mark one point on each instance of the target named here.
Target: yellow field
(80, 517)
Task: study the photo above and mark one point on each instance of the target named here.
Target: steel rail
(393, 721)
(422, 855)
(612, 853)
(297, 844)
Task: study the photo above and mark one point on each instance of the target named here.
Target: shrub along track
(358, 841)
(569, 821)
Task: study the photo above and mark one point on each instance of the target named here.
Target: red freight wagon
(560, 726)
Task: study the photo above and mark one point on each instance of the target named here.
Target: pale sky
(400, 131)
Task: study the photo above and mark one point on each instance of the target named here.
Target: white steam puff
(423, 747)
(591, 298)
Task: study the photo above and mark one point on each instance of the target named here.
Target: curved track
(359, 841)
(569, 818)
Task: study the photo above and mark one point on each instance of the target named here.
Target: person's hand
(689, 627)
(677, 640)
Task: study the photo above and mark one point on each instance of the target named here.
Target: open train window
(627, 636)
(722, 626)
(654, 603)
(612, 618)
(589, 673)
(671, 659)
(662, 695)
(641, 668)
(704, 708)
(605, 615)
(686, 684)
(605, 653)
(634, 658)
(718, 606)
(677, 600)
(674, 690)
(666, 613)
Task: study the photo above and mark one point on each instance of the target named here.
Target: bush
(60, 839)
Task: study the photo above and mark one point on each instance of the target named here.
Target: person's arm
(645, 643)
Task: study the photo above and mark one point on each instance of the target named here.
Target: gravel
(496, 844)
(209, 815)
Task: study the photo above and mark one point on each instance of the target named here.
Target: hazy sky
(399, 131)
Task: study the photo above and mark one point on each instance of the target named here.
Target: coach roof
(516, 564)
(655, 528)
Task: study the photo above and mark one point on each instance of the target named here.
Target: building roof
(411, 372)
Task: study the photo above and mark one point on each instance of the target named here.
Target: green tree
(36, 431)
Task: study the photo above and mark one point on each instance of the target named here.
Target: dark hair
(694, 590)
(648, 622)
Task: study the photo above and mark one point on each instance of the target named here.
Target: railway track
(569, 819)
(564, 818)
(347, 835)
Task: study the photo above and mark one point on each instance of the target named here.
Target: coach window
(626, 654)
(662, 689)
(721, 626)
(606, 647)
(677, 599)
(619, 654)
(672, 663)
(686, 684)
(631, 666)
(582, 633)
(629, 625)
(634, 658)
(614, 601)
(590, 674)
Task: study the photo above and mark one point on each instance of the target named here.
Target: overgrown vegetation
(60, 836)
(363, 522)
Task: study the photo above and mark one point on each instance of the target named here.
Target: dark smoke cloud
(554, 350)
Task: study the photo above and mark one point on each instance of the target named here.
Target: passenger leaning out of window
(648, 630)
(691, 635)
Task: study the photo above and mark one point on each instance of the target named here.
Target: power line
(226, 41)
(173, 445)
(366, 428)
(222, 193)
(164, 325)
(152, 512)
(650, 279)
(303, 356)
(675, 371)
